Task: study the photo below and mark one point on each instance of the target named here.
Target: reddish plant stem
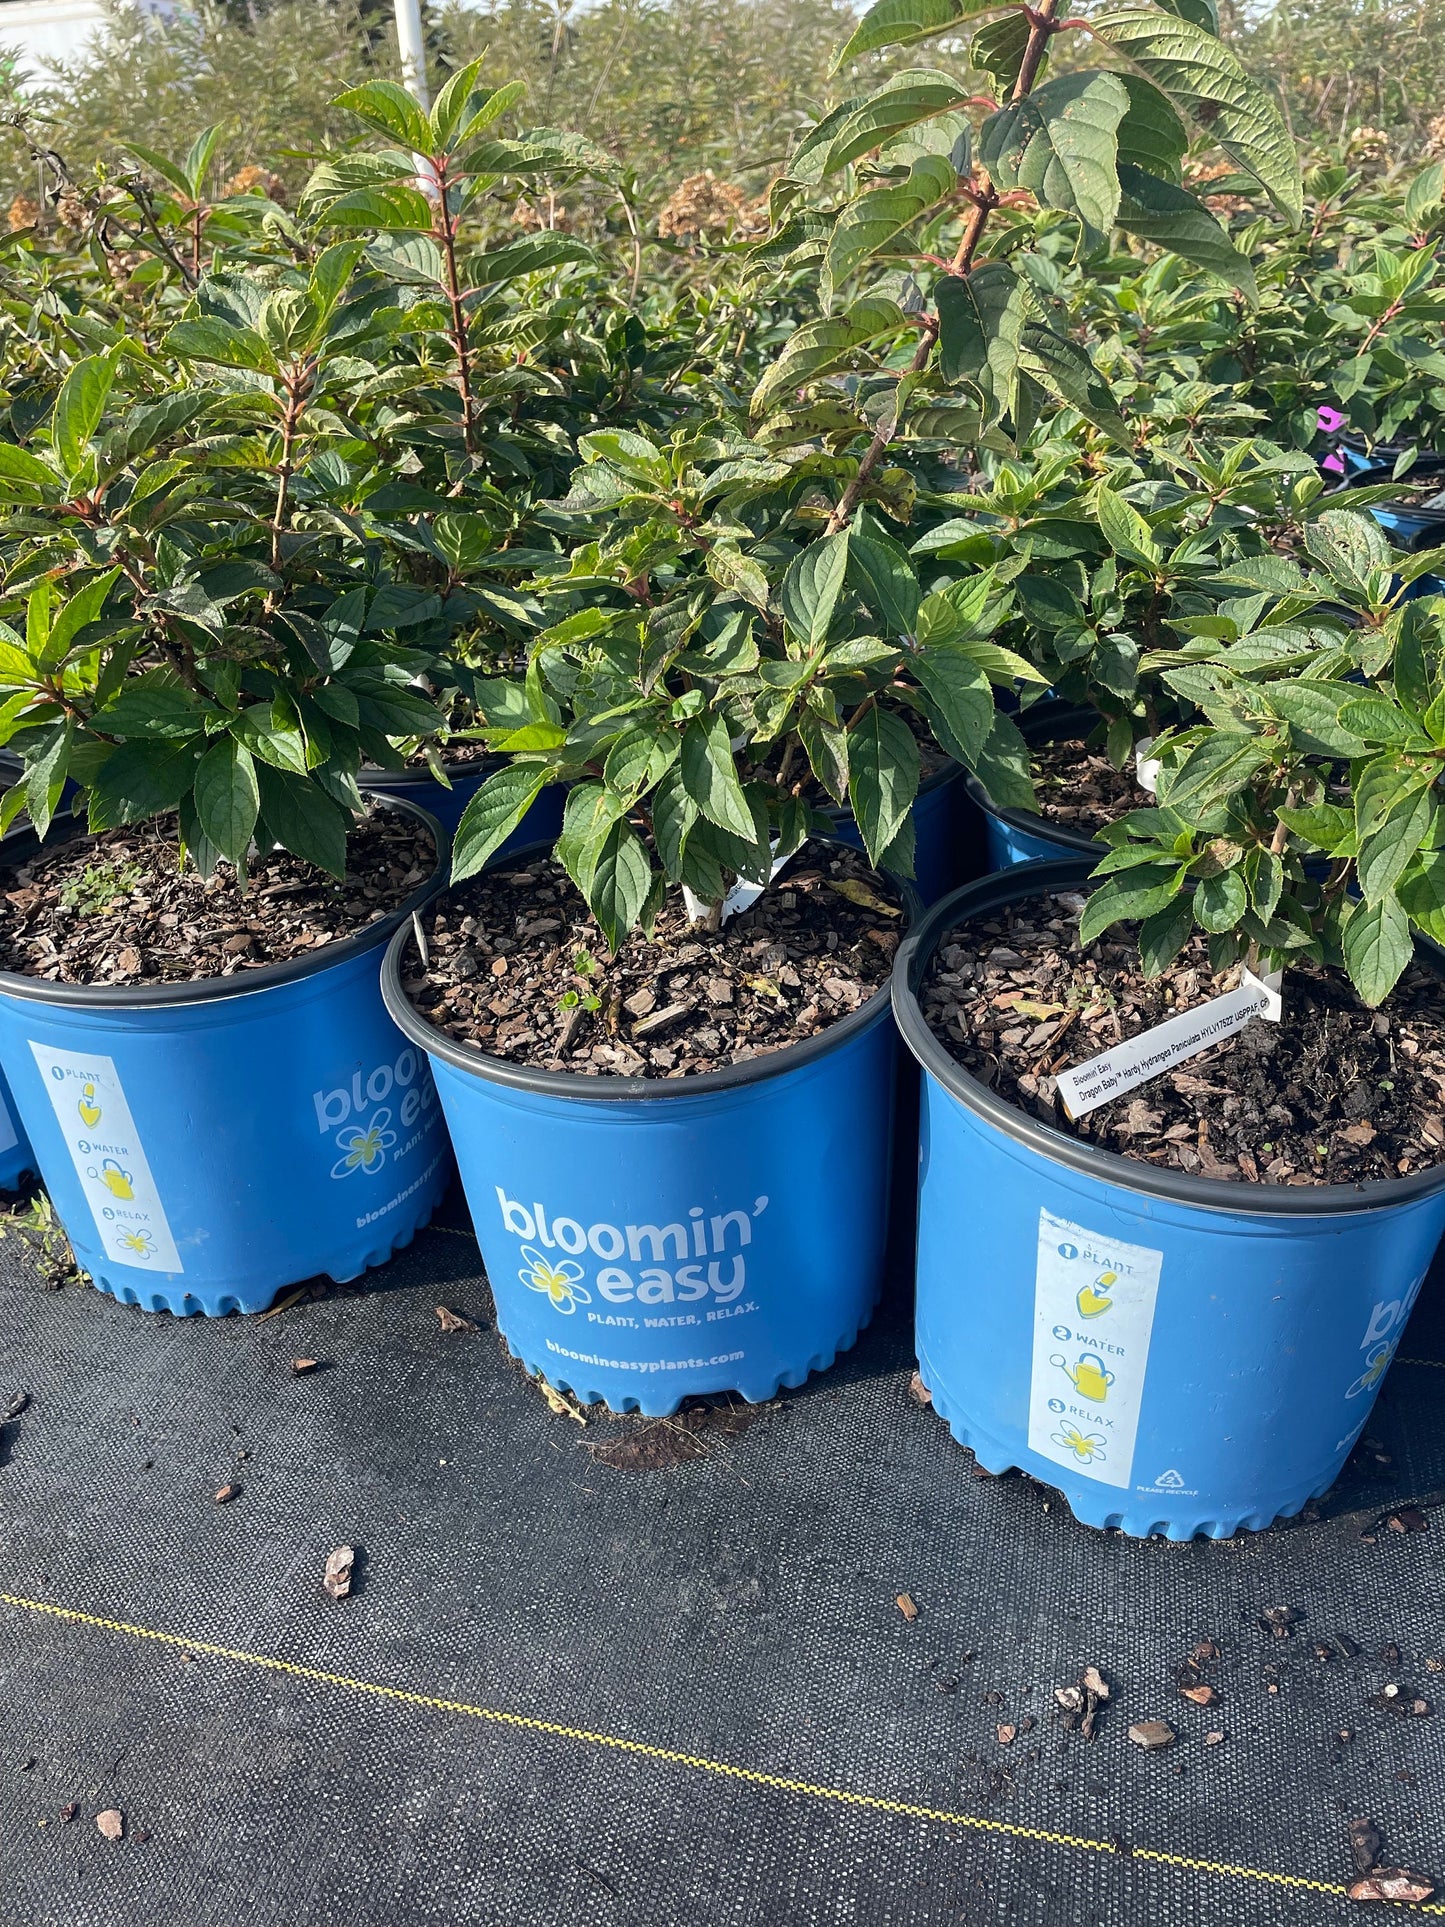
(444, 232)
(1042, 26)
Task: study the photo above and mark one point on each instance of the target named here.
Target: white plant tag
(741, 897)
(1146, 767)
(1175, 1041)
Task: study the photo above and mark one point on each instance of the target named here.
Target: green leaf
(621, 880)
(1125, 529)
(1164, 934)
(1066, 371)
(156, 703)
(981, 319)
(1004, 766)
(78, 409)
(140, 779)
(1059, 143)
(1220, 901)
(1422, 892)
(1377, 947)
(961, 696)
(1171, 218)
(819, 348)
(1152, 137)
(19, 465)
(1208, 85)
(1388, 846)
(220, 342)
(1216, 769)
(390, 110)
(45, 778)
(811, 587)
(871, 223)
(710, 777)
(298, 814)
(1423, 195)
(493, 813)
(1136, 894)
(881, 573)
(272, 732)
(883, 770)
(998, 50)
(83, 608)
(902, 101)
(227, 797)
(533, 254)
(827, 750)
(894, 23)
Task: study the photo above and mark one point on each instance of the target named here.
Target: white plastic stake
(1175, 1041)
(413, 50)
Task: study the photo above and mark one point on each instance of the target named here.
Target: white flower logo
(364, 1150)
(557, 1280)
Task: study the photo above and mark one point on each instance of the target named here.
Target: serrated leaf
(1138, 893)
(1151, 135)
(1059, 143)
(1386, 850)
(811, 587)
(883, 770)
(894, 23)
(493, 813)
(902, 101)
(821, 347)
(710, 777)
(870, 224)
(1171, 218)
(1066, 371)
(981, 319)
(1125, 529)
(962, 698)
(227, 797)
(1377, 947)
(78, 409)
(620, 881)
(1207, 83)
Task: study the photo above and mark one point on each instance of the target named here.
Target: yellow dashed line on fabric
(697, 1763)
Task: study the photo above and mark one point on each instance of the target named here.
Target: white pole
(413, 49)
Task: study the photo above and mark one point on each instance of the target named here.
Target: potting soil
(775, 1666)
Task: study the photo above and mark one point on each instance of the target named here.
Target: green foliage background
(668, 87)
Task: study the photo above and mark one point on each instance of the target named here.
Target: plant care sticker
(1175, 1041)
(104, 1147)
(1093, 1315)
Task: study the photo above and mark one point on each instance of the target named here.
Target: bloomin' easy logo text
(367, 1116)
(677, 1263)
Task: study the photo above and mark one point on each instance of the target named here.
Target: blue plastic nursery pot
(946, 839)
(207, 1144)
(542, 822)
(649, 1239)
(1007, 837)
(1178, 1355)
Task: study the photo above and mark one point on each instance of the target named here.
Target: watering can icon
(115, 1180)
(1089, 1377)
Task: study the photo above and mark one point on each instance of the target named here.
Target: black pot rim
(202, 990)
(612, 1090)
(1070, 716)
(385, 780)
(1025, 880)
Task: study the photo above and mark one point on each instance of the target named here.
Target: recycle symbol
(1169, 1481)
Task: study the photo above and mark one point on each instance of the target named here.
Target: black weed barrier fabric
(663, 1695)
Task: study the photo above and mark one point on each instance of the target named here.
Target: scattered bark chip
(906, 1606)
(918, 1391)
(301, 1366)
(1152, 1734)
(1365, 1844)
(226, 1493)
(69, 1811)
(1408, 1519)
(452, 1321)
(337, 1576)
(1392, 1883)
(111, 1823)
